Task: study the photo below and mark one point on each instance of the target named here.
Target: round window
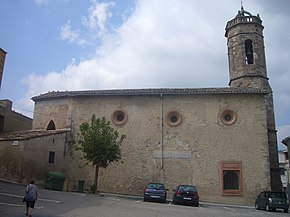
(228, 117)
(119, 117)
(173, 118)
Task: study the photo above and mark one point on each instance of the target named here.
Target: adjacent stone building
(223, 140)
(11, 120)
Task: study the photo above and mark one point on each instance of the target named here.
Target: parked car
(186, 194)
(270, 200)
(155, 192)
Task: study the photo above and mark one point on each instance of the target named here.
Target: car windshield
(155, 186)
(278, 195)
(187, 188)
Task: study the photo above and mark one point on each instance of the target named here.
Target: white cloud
(72, 36)
(157, 46)
(95, 21)
(168, 43)
(98, 16)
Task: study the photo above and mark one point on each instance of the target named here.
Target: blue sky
(77, 45)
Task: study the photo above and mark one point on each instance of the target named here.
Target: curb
(228, 205)
(131, 197)
(11, 182)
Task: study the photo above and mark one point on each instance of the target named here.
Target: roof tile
(148, 92)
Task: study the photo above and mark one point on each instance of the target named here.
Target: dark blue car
(155, 192)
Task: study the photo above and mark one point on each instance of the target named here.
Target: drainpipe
(161, 129)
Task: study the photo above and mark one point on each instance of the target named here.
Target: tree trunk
(96, 176)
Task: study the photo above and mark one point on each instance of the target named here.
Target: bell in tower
(246, 54)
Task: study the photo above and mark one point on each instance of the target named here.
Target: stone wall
(11, 120)
(51, 110)
(22, 160)
(191, 152)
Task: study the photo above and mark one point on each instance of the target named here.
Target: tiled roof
(29, 134)
(149, 92)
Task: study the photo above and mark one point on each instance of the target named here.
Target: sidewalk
(131, 197)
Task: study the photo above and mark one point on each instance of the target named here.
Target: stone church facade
(223, 140)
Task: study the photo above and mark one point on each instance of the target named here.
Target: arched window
(51, 126)
(249, 51)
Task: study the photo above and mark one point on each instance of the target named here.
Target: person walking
(30, 197)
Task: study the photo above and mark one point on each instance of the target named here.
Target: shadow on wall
(15, 167)
(11, 159)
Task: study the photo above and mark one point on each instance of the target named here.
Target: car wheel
(268, 208)
(144, 199)
(196, 205)
(257, 206)
(286, 210)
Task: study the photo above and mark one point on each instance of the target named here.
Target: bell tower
(247, 69)
(246, 54)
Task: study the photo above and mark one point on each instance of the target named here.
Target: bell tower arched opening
(249, 51)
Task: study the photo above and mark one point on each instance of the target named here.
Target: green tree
(100, 143)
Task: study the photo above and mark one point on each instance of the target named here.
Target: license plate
(153, 196)
(187, 198)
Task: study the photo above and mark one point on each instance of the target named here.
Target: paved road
(67, 204)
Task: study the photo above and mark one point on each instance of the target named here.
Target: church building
(222, 140)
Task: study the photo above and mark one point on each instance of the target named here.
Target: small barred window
(231, 175)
